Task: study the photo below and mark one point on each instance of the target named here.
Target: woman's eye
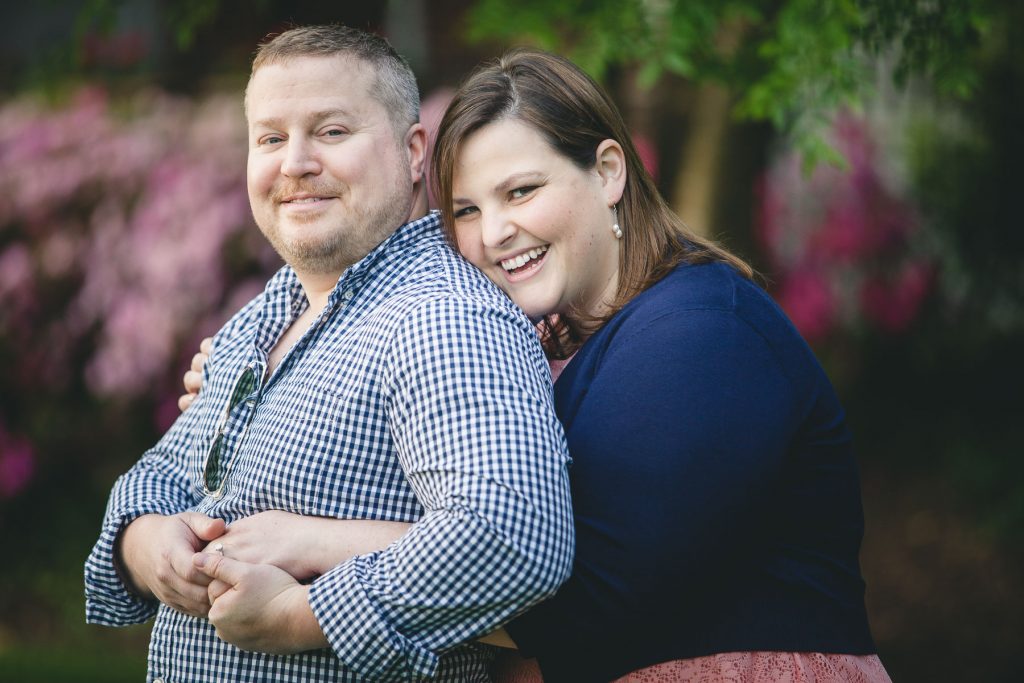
(271, 140)
(334, 133)
(465, 211)
(521, 192)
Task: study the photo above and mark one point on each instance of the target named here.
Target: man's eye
(466, 211)
(521, 192)
(271, 140)
(333, 132)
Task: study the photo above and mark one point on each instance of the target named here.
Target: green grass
(40, 664)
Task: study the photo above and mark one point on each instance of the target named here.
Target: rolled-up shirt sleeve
(471, 414)
(157, 484)
(151, 486)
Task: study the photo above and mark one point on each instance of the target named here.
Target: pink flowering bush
(17, 462)
(841, 244)
(125, 236)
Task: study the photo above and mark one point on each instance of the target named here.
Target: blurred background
(860, 153)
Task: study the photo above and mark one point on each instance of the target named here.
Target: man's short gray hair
(396, 84)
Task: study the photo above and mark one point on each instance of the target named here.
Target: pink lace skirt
(731, 667)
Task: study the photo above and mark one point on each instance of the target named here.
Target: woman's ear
(611, 166)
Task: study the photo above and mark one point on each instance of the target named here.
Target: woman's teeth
(524, 258)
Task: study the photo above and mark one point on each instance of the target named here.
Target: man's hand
(258, 607)
(193, 379)
(302, 545)
(155, 553)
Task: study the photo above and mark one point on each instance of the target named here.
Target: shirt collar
(397, 245)
(284, 286)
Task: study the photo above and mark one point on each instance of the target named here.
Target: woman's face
(534, 222)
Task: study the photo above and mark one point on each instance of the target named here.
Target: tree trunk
(693, 193)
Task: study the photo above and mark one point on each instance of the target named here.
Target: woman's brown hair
(574, 114)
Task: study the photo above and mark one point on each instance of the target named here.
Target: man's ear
(416, 147)
(611, 166)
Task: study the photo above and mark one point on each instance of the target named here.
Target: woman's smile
(526, 264)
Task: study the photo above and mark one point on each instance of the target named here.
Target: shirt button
(348, 294)
(158, 680)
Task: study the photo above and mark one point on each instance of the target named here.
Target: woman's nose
(498, 230)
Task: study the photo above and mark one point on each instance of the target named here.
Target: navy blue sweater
(716, 496)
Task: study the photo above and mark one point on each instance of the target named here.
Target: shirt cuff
(360, 635)
(108, 602)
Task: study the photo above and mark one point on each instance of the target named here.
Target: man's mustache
(317, 189)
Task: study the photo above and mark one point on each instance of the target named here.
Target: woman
(716, 497)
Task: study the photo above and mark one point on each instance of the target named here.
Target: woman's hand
(193, 379)
(258, 607)
(302, 545)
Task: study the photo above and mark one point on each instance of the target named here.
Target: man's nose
(300, 159)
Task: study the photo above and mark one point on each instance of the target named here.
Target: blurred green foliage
(791, 62)
(185, 17)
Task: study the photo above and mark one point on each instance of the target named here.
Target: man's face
(329, 174)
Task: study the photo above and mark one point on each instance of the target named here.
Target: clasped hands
(250, 590)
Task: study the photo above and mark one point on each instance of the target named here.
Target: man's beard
(344, 245)
(330, 254)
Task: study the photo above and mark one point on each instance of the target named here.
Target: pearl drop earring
(615, 225)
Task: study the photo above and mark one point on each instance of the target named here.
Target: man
(377, 377)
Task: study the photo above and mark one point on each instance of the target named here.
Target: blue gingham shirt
(419, 395)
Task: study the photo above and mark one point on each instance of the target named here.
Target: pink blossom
(856, 140)
(120, 50)
(648, 153)
(844, 234)
(431, 110)
(770, 208)
(59, 251)
(893, 302)
(166, 412)
(135, 206)
(15, 269)
(787, 218)
(840, 241)
(17, 464)
(809, 303)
